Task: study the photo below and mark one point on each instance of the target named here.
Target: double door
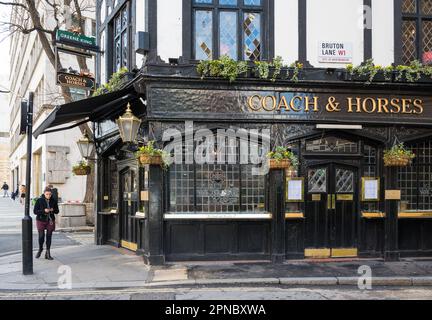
(331, 210)
(129, 225)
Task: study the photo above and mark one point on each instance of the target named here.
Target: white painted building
(292, 29)
(31, 71)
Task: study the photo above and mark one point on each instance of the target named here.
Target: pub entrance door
(128, 208)
(331, 210)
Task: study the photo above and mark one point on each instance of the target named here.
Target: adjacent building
(341, 201)
(31, 71)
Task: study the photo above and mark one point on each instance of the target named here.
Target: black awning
(92, 109)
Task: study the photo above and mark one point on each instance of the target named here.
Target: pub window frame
(266, 9)
(113, 37)
(418, 18)
(241, 168)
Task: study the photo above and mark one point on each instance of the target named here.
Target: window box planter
(379, 77)
(322, 74)
(423, 78)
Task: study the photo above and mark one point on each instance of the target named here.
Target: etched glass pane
(344, 181)
(332, 144)
(124, 18)
(117, 54)
(409, 6)
(203, 35)
(252, 2)
(182, 188)
(228, 3)
(117, 25)
(317, 180)
(228, 34)
(409, 35)
(252, 36)
(253, 191)
(426, 7)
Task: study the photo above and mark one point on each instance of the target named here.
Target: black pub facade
(340, 201)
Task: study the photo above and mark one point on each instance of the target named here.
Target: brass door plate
(345, 197)
(129, 245)
(316, 197)
(144, 196)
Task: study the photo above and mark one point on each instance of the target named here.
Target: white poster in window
(335, 52)
(295, 190)
(371, 189)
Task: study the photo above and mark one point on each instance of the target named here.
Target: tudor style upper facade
(389, 31)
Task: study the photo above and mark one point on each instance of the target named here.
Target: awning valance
(93, 109)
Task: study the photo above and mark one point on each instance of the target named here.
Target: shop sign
(77, 81)
(76, 40)
(335, 52)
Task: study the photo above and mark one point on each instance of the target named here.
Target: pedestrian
(15, 194)
(23, 193)
(5, 189)
(54, 192)
(45, 210)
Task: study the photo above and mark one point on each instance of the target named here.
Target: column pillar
(391, 246)
(277, 209)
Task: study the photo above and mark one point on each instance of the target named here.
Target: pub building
(341, 201)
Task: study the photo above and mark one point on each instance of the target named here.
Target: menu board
(295, 190)
(370, 189)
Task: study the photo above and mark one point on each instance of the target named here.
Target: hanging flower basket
(281, 164)
(398, 156)
(81, 169)
(282, 158)
(150, 159)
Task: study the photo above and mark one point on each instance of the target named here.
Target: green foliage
(81, 164)
(263, 68)
(398, 151)
(151, 151)
(224, 67)
(296, 66)
(281, 153)
(411, 72)
(113, 84)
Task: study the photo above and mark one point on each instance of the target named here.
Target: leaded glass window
(415, 180)
(417, 31)
(317, 180)
(228, 27)
(216, 188)
(121, 38)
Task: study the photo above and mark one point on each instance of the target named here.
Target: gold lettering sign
(310, 104)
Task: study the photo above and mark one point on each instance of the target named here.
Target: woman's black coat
(41, 205)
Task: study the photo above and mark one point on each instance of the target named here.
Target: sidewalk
(104, 267)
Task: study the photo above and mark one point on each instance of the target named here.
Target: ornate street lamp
(128, 125)
(85, 146)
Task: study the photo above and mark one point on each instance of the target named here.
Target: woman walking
(23, 194)
(45, 210)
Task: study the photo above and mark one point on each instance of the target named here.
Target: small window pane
(203, 35)
(409, 35)
(409, 6)
(252, 36)
(117, 55)
(203, 1)
(125, 49)
(317, 180)
(117, 25)
(252, 2)
(228, 2)
(228, 34)
(427, 41)
(344, 181)
(426, 7)
(124, 18)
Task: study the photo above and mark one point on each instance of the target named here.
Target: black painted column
(391, 247)
(277, 209)
(154, 254)
(302, 30)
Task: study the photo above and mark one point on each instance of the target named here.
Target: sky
(4, 73)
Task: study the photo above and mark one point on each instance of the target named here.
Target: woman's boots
(48, 255)
(39, 253)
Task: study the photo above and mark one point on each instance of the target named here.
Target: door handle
(329, 201)
(334, 202)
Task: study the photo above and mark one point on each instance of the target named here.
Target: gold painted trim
(344, 253)
(317, 253)
(294, 215)
(302, 179)
(363, 189)
(129, 245)
(371, 215)
(345, 197)
(413, 215)
(216, 216)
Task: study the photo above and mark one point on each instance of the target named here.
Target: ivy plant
(224, 67)
(114, 83)
(296, 66)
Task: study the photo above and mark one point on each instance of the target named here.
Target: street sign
(77, 81)
(76, 40)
